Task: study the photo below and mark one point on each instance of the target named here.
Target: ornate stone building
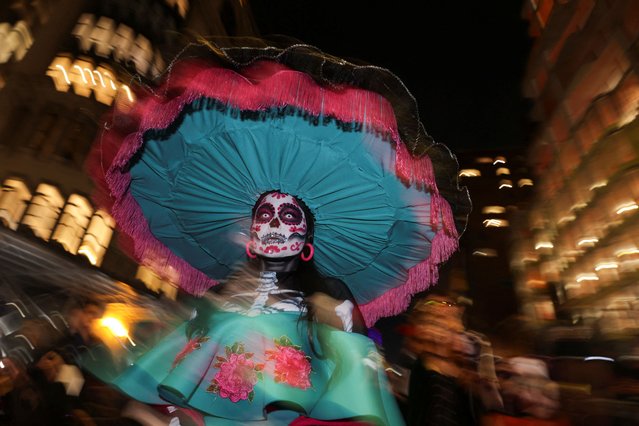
(62, 64)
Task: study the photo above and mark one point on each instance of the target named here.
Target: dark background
(462, 60)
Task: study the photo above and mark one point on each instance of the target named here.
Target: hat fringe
(420, 278)
(259, 88)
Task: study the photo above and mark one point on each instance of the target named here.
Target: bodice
(268, 297)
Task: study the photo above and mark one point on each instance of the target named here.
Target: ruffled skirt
(262, 369)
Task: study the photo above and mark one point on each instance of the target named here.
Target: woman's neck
(284, 264)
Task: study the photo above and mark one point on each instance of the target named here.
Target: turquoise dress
(255, 365)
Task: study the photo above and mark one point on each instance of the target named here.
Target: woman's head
(281, 225)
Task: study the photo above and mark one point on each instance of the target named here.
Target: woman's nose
(275, 223)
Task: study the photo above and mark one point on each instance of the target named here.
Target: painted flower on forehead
(279, 226)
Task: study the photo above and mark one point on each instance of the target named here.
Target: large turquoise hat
(182, 167)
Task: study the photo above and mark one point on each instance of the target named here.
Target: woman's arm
(336, 306)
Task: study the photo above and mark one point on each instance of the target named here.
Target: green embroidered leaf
(251, 395)
(197, 346)
(213, 388)
(260, 375)
(240, 349)
(248, 355)
(234, 347)
(228, 351)
(285, 341)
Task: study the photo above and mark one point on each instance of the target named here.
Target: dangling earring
(249, 253)
(310, 254)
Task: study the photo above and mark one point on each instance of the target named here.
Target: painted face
(279, 226)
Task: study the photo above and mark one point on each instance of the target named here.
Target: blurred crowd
(47, 383)
(448, 374)
(445, 374)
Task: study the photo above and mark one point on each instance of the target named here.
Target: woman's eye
(290, 215)
(265, 213)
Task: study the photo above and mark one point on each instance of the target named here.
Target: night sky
(463, 61)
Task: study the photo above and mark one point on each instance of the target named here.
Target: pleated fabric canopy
(181, 168)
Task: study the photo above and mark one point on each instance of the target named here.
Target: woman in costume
(320, 173)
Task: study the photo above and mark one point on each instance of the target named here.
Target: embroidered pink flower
(292, 366)
(191, 345)
(237, 374)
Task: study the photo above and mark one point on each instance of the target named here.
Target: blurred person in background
(19, 397)
(82, 315)
(450, 383)
(29, 398)
(530, 396)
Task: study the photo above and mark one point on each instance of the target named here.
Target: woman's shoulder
(337, 289)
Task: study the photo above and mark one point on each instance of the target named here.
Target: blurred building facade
(62, 64)
(576, 256)
(500, 188)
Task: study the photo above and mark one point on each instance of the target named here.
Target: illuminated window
(43, 211)
(101, 36)
(105, 91)
(566, 219)
(587, 242)
(122, 42)
(499, 160)
(598, 184)
(83, 30)
(524, 182)
(502, 171)
(58, 71)
(606, 265)
(544, 245)
(496, 223)
(97, 237)
(627, 251)
(469, 173)
(626, 207)
(87, 79)
(483, 160)
(485, 252)
(589, 276)
(493, 210)
(73, 222)
(5, 50)
(142, 54)
(156, 283)
(505, 183)
(81, 76)
(14, 41)
(13, 202)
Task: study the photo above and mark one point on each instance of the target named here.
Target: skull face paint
(279, 226)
